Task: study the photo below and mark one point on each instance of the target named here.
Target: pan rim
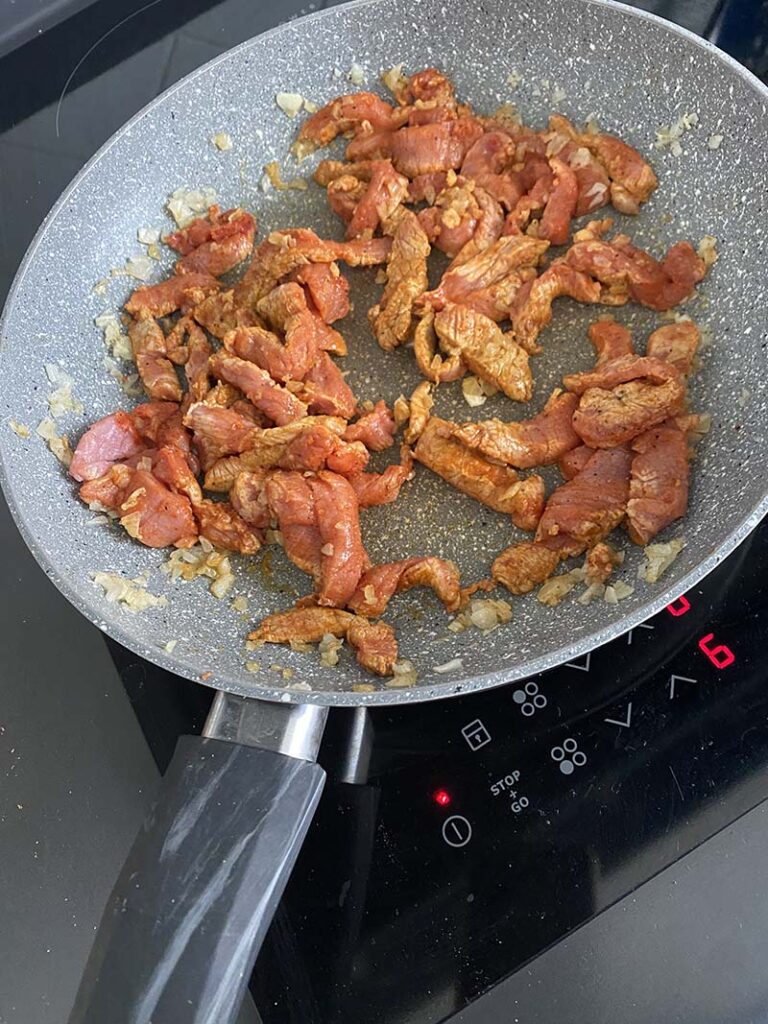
(346, 697)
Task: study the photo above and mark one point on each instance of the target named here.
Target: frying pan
(191, 907)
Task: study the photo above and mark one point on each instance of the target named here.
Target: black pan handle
(189, 912)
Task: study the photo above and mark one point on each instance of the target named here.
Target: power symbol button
(457, 831)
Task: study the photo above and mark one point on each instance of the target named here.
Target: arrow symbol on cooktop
(678, 679)
(582, 666)
(623, 722)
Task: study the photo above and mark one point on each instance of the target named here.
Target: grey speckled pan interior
(635, 73)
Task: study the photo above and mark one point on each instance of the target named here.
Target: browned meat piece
(198, 352)
(331, 170)
(160, 423)
(572, 462)
(219, 314)
(406, 279)
(343, 556)
(632, 179)
(497, 486)
(425, 88)
(328, 290)
(249, 498)
(383, 488)
(490, 221)
(485, 350)
(658, 487)
(326, 392)
(154, 515)
(348, 113)
(385, 192)
(375, 429)
(453, 218)
(223, 527)
(105, 442)
(427, 187)
(279, 404)
(182, 291)
(593, 181)
(378, 584)
(171, 467)
(419, 407)
(535, 442)
(427, 148)
(344, 194)
(626, 271)
(489, 281)
(433, 366)
(624, 397)
(292, 503)
(533, 310)
(107, 491)
(151, 357)
(487, 163)
(214, 244)
(523, 567)
(610, 341)
(584, 510)
(229, 431)
(375, 645)
(676, 344)
(555, 222)
(600, 562)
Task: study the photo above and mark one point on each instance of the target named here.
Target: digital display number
(720, 655)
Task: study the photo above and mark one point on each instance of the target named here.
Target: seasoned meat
(382, 488)
(485, 350)
(497, 486)
(526, 443)
(584, 510)
(107, 491)
(228, 430)
(379, 583)
(302, 625)
(215, 244)
(453, 218)
(292, 503)
(591, 176)
(676, 344)
(154, 515)
(433, 366)
(632, 178)
(385, 192)
(487, 163)
(658, 487)
(555, 222)
(375, 645)
(327, 288)
(325, 391)
(172, 468)
(426, 148)
(348, 113)
(522, 567)
(533, 309)
(419, 407)
(161, 423)
(343, 556)
(391, 317)
(572, 462)
(610, 341)
(221, 524)
(375, 429)
(151, 357)
(219, 314)
(624, 397)
(196, 350)
(183, 291)
(279, 404)
(105, 442)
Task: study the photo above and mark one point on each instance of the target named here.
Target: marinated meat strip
(325, 391)
(385, 192)
(489, 225)
(676, 344)
(419, 407)
(610, 341)
(584, 510)
(379, 583)
(374, 643)
(343, 556)
(426, 187)
(658, 487)
(151, 513)
(375, 429)
(107, 491)
(571, 463)
(348, 114)
(108, 440)
(600, 562)
(427, 148)
(292, 503)
(433, 366)
(214, 244)
(623, 398)
(522, 567)
(171, 467)
(344, 194)
(228, 431)
(219, 314)
(484, 348)
(533, 308)
(487, 163)
(536, 442)
(220, 523)
(187, 344)
(453, 218)
(591, 176)
(392, 316)
(328, 171)
(151, 357)
(560, 208)
(160, 424)
(279, 404)
(182, 291)
(249, 497)
(479, 281)
(327, 289)
(383, 488)
(497, 486)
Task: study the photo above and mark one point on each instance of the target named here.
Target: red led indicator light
(679, 607)
(720, 655)
(441, 797)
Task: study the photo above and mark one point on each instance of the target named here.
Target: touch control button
(457, 831)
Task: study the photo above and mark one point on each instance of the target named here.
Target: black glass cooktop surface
(485, 828)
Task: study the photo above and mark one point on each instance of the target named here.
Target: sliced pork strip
(391, 318)
(338, 520)
(658, 488)
(150, 354)
(522, 567)
(610, 341)
(375, 429)
(279, 404)
(153, 514)
(105, 442)
(484, 348)
(182, 291)
(379, 583)
(675, 343)
(220, 523)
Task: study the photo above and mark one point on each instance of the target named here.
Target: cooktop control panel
(494, 824)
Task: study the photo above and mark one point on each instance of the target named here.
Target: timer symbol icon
(568, 757)
(529, 699)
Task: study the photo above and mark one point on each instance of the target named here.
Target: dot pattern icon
(568, 756)
(529, 699)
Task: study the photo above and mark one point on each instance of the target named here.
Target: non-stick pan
(192, 905)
